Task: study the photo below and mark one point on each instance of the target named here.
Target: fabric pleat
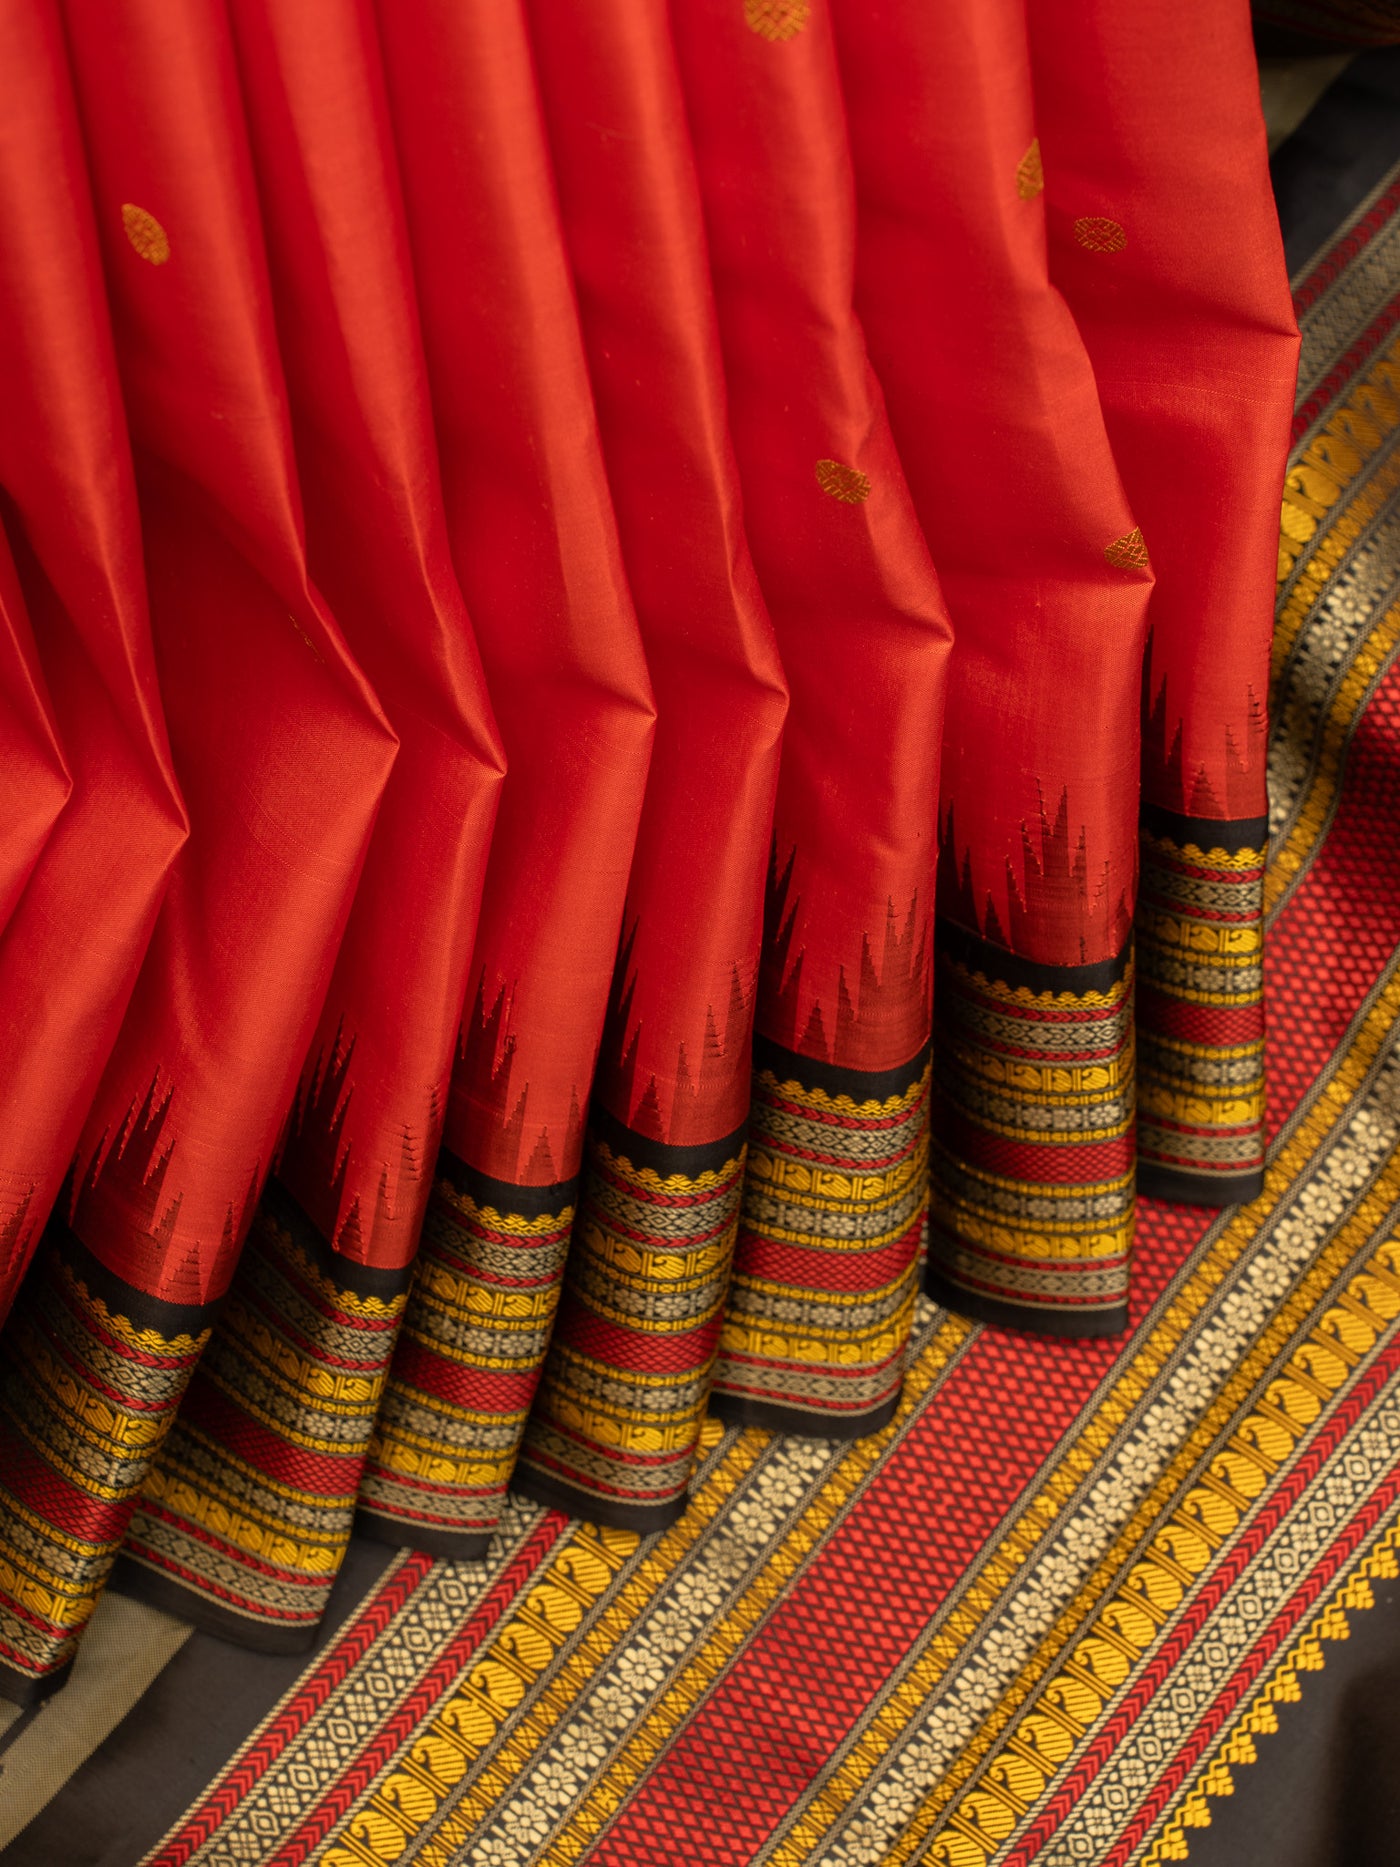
(537, 552)
(38, 782)
(84, 917)
(282, 754)
(632, 651)
(1194, 357)
(996, 413)
(614, 1429)
(277, 1422)
(836, 1190)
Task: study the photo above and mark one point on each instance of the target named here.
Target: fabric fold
(996, 414)
(615, 1426)
(70, 952)
(1187, 319)
(535, 544)
(38, 782)
(248, 1511)
(282, 754)
(836, 1190)
(632, 651)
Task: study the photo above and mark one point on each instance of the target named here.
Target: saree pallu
(632, 637)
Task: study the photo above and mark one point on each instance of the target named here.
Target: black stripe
(978, 955)
(189, 1604)
(660, 1156)
(807, 1423)
(1198, 1189)
(26, 1690)
(1232, 834)
(363, 1280)
(138, 1308)
(526, 1202)
(557, 1494)
(456, 1545)
(836, 1079)
(1026, 1318)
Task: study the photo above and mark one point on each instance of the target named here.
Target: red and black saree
(637, 647)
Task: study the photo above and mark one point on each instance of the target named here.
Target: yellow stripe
(1079, 1456)
(514, 1224)
(615, 1625)
(1285, 1686)
(1312, 817)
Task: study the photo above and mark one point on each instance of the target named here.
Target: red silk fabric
(628, 635)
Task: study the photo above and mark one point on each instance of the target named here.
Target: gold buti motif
(842, 482)
(147, 236)
(1097, 235)
(1030, 172)
(776, 19)
(1128, 552)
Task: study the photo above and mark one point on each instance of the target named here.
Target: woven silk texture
(635, 650)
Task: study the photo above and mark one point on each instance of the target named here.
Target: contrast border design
(1033, 1170)
(93, 1373)
(1200, 1008)
(244, 1518)
(822, 1298)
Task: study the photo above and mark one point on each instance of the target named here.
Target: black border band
(660, 1156)
(740, 1410)
(1232, 834)
(29, 1689)
(1184, 1188)
(362, 1280)
(130, 1577)
(835, 1079)
(527, 1202)
(1027, 1319)
(121, 1298)
(556, 1494)
(975, 954)
(398, 1533)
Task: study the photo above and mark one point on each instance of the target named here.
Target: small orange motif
(1030, 172)
(842, 482)
(776, 19)
(1097, 235)
(1128, 552)
(147, 236)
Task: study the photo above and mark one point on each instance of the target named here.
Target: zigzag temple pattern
(1201, 1008)
(468, 1362)
(245, 1516)
(92, 1375)
(614, 1429)
(825, 1274)
(1032, 1159)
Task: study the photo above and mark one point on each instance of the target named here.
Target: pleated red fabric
(632, 1356)
(338, 1226)
(537, 551)
(75, 937)
(39, 782)
(996, 414)
(1193, 352)
(628, 636)
(282, 753)
(825, 1275)
(281, 747)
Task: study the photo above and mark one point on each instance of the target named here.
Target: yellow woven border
(1307, 1655)
(395, 1818)
(1125, 1627)
(387, 1821)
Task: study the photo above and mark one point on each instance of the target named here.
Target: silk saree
(637, 650)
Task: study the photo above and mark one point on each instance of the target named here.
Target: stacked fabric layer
(633, 637)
